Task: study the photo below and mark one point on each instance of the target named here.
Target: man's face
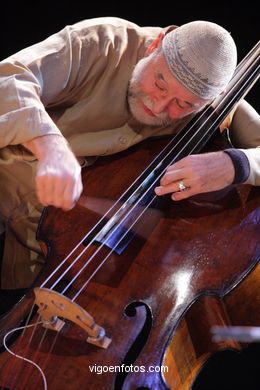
(155, 97)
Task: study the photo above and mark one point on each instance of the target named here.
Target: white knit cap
(202, 56)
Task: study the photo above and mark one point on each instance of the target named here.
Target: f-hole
(139, 343)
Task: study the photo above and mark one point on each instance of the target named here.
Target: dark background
(22, 23)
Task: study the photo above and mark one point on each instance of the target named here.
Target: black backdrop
(22, 23)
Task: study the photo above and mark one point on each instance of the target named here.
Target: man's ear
(153, 46)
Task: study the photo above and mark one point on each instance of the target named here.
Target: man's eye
(183, 106)
(179, 105)
(161, 88)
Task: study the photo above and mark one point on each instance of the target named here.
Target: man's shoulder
(115, 23)
(106, 21)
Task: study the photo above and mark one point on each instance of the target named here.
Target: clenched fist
(58, 177)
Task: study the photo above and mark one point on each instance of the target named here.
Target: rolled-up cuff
(241, 165)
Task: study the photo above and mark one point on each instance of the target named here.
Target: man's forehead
(163, 72)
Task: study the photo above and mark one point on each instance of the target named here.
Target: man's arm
(32, 79)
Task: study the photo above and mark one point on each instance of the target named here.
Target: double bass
(133, 283)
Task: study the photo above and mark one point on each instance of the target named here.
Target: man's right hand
(58, 177)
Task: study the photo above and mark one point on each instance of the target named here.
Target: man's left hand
(196, 174)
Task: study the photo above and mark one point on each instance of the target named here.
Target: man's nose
(160, 105)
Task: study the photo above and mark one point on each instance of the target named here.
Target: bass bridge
(54, 307)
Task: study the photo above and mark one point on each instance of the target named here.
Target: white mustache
(147, 101)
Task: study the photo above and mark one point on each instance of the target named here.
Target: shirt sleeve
(38, 76)
(245, 135)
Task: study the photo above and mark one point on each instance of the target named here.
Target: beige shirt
(75, 82)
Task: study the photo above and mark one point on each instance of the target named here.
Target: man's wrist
(241, 165)
(40, 146)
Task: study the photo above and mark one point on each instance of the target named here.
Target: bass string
(129, 228)
(107, 256)
(109, 236)
(48, 354)
(101, 220)
(105, 216)
(116, 202)
(131, 210)
(111, 209)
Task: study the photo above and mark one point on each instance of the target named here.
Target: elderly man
(96, 88)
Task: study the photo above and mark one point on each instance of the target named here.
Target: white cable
(21, 357)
